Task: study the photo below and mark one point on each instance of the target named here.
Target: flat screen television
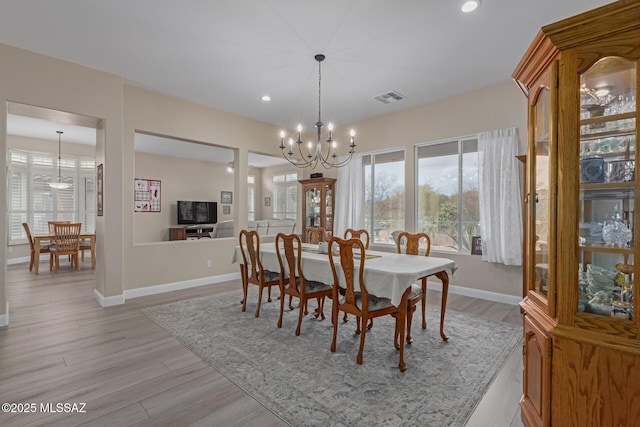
(190, 212)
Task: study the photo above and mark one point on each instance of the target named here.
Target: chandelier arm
(337, 164)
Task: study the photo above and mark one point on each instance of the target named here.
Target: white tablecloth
(387, 275)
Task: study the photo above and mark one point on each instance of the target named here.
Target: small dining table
(386, 274)
(39, 238)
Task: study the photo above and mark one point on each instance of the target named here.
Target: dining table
(386, 275)
(40, 238)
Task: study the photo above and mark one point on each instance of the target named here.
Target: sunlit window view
(31, 200)
(285, 195)
(384, 195)
(448, 207)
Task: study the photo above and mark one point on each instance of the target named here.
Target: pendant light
(59, 185)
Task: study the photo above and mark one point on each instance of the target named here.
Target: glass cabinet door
(607, 207)
(329, 208)
(540, 197)
(312, 201)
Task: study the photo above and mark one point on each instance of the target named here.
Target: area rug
(302, 382)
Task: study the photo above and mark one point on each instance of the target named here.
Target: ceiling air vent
(389, 97)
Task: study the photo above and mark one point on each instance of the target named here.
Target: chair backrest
(224, 229)
(316, 235)
(52, 223)
(29, 237)
(346, 249)
(362, 234)
(289, 262)
(412, 243)
(262, 227)
(250, 249)
(284, 226)
(67, 237)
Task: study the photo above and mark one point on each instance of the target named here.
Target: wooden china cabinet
(318, 201)
(581, 328)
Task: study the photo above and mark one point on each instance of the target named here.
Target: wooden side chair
(53, 223)
(359, 303)
(362, 234)
(316, 235)
(253, 272)
(412, 242)
(35, 252)
(292, 280)
(66, 241)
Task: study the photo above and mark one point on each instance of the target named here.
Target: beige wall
(181, 179)
(124, 261)
(185, 260)
(38, 80)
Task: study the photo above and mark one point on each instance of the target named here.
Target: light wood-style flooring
(62, 347)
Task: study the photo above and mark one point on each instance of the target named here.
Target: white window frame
(290, 182)
(460, 222)
(80, 171)
(371, 228)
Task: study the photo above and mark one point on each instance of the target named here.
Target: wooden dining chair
(293, 282)
(360, 303)
(316, 235)
(412, 242)
(53, 223)
(35, 252)
(362, 234)
(66, 241)
(253, 272)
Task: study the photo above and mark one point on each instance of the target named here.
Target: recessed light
(470, 5)
(266, 98)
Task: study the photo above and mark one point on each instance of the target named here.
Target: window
(448, 207)
(285, 196)
(384, 194)
(251, 195)
(31, 200)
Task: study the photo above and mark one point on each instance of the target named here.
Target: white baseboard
(108, 301)
(176, 286)
(477, 293)
(26, 259)
(4, 318)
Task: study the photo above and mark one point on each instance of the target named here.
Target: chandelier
(315, 155)
(59, 185)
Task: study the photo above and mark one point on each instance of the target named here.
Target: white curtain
(349, 197)
(500, 194)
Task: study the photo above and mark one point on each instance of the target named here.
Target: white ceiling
(226, 54)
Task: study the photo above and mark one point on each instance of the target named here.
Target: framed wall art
(226, 197)
(99, 181)
(476, 245)
(147, 193)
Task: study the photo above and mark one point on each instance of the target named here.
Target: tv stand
(190, 232)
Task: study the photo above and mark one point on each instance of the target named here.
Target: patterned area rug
(301, 381)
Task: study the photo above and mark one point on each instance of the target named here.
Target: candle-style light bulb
(282, 134)
(299, 133)
(290, 153)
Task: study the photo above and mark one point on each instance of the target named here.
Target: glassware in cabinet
(607, 188)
